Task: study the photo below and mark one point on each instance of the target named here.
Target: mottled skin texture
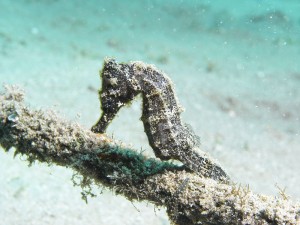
(169, 137)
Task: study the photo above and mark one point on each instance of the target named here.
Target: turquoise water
(135, 26)
(235, 66)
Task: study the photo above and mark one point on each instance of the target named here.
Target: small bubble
(13, 117)
(35, 30)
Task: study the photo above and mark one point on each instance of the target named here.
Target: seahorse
(168, 136)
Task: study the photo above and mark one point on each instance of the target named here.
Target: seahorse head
(119, 86)
(116, 87)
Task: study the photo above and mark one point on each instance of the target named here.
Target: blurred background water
(235, 65)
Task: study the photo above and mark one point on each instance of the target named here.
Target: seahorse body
(169, 137)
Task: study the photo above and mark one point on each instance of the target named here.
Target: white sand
(238, 80)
